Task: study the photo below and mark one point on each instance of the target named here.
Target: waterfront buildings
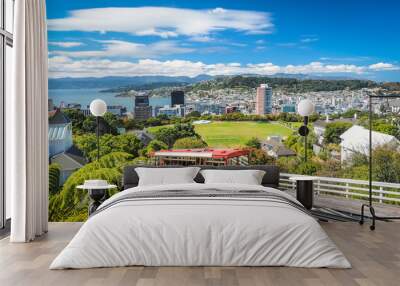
(143, 110)
(176, 110)
(264, 100)
(177, 98)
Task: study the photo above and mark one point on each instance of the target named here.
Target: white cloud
(66, 44)
(202, 39)
(115, 48)
(62, 66)
(383, 67)
(168, 22)
(309, 40)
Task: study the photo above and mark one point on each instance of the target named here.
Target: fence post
(381, 195)
(347, 190)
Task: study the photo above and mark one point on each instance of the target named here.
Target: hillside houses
(356, 140)
(61, 149)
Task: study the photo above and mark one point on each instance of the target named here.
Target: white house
(60, 133)
(61, 148)
(356, 140)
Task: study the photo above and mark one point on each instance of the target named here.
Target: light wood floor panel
(375, 257)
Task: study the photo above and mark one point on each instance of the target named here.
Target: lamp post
(305, 108)
(98, 108)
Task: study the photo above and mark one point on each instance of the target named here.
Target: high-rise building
(264, 99)
(143, 110)
(142, 100)
(177, 97)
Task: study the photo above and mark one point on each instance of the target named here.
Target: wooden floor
(375, 257)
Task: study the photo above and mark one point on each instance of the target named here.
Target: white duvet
(202, 232)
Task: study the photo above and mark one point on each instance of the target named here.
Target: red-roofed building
(187, 157)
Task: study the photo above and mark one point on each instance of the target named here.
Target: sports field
(236, 134)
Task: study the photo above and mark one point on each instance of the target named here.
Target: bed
(201, 224)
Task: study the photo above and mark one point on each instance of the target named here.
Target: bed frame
(130, 178)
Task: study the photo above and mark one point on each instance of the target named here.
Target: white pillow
(166, 176)
(247, 177)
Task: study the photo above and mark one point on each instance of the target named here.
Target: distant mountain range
(140, 82)
(116, 81)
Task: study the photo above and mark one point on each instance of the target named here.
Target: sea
(85, 96)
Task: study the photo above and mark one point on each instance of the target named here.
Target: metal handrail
(348, 188)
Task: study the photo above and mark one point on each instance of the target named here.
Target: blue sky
(349, 38)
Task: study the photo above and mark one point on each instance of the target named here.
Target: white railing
(348, 188)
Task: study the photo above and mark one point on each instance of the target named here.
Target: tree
(77, 117)
(127, 143)
(254, 142)
(89, 125)
(169, 135)
(307, 168)
(386, 164)
(70, 204)
(112, 120)
(334, 130)
(194, 114)
(130, 124)
(189, 143)
(153, 146)
(54, 178)
(259, 157)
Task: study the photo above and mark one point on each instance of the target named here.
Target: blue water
(85, 96)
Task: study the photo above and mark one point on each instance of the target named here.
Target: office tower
(143, 110)
(264, 100)
(141, 100)
(177, 97)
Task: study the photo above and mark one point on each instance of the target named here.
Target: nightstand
(97, 194)
(304, 190)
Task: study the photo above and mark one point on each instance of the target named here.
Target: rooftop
(203, 153)
(58, 117)
(357, 138)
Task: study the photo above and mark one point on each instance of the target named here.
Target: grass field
(236, 134)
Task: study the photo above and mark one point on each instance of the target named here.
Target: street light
(305, 108)
(98, 108)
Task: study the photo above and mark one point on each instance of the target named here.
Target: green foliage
(194, 114)
(254, 142)
(334, 130)
(259, 157)
(77, 117)
(386, 164)
(296, 143)
(127, 142)
(108, 124)
(71, 202)
(54, 178)
(286, 84)
(385, 127)
(131, 124)
(189, 143)
(153, 146)
(169, 135)
(307, 168)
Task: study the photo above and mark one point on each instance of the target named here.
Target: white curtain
(27, 124)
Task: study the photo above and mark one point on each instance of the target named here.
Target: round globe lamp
(98, 108)
(305, 108)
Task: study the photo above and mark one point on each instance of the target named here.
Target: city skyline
(177, 38)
